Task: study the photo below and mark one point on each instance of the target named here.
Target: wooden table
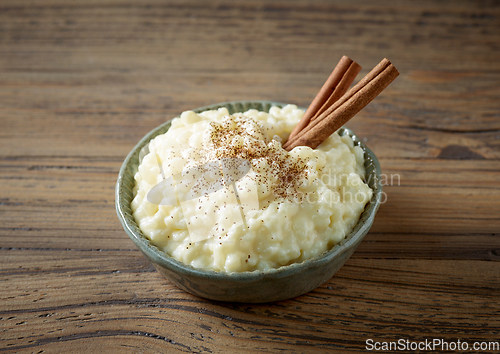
(82, 82)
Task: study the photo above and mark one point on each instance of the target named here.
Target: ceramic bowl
(256, 286)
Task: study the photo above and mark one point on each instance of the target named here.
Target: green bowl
(256, 286)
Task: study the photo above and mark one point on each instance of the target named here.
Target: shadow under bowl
(257, 286)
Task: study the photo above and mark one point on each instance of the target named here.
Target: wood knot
(459, 152)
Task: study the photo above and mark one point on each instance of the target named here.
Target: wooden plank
(80, 84)
(357, 297)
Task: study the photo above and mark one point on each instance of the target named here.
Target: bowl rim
(150, 250)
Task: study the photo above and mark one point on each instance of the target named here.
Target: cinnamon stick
(345, 108)
(341, 89)
(334, 87)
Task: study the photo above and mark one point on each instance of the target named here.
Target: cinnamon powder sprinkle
(286, 171)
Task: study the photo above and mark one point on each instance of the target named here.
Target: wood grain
(81, 82)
